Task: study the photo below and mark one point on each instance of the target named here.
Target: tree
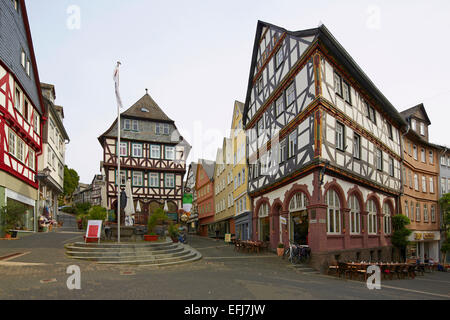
(400, 235)
(71, 180)
(444, 202)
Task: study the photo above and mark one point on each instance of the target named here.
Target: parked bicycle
(297, 253)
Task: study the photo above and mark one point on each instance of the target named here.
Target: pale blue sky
(194, 57)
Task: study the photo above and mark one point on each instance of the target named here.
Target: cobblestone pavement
(221, 274)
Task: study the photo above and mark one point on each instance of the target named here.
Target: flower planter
(150, 238)
(175, 240)
(7, 236)
(280, 251)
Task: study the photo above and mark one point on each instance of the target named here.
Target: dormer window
(23, 58)
(422, 128)
(413, 124)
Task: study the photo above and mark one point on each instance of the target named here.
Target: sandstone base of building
(322, 260)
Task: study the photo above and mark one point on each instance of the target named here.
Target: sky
(194, 58)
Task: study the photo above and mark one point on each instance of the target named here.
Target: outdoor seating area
(248, 246)
(389, 270)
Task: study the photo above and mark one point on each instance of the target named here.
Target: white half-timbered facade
(152, 154)
(21, 111)
(324, 147)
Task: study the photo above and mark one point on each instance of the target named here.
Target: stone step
(124, 245)
(142, 260)
(119, 249)
(127, 256)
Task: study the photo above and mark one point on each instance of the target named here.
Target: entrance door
(264, 229)
(299, 224)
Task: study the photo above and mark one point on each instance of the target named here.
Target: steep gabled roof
(411, 111)
(325, 38)
(15, 37)
(208, 166)
(147, 108)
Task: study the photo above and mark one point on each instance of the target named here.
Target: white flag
(116, 81)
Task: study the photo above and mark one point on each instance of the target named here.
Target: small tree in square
(400, 235)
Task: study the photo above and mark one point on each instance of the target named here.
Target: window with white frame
(431, 185)
(31, 159)
(170, 180)
(390, 133)
(372, 225)
(407, 209)
(279, 106)
(282, 152)
(410, 179)
(138, 178)
(379, 159)
(12, 143)
(355, 215)
(413, 124)
(387, 214)
(424, 184)
(416, 182)
(123, 149)
(170, 153)
(292, 144)
(127, 124)
(36, 124)
(356, 146)
(299, 202)
(423, 155)
(17, 105)
(443, 161)
(415, 152)
(279, 58)
(339, 136)
(425, 213)
(430, 157)
(137, 150)
(23, 58)
(433, 213)
(422, 128)
(135, 125)
(443, 186)
(290, 94)
(123, 177)
(346, 91)
(338, 84)
(333, 213)
(391, 166)
(417, 212)
(20, 154)
(155, 152)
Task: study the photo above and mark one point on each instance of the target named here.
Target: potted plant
(280, 249)
(11, 215)
(153, 220)
(173, 232)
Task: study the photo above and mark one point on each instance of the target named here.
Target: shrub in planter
(11, 215)
(173, 232)
(280, 249)
(157, 217)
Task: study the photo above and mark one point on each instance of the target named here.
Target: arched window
(355, 215)
(372, 217)
(264, 222)
(333, 213)
(298, 219)
(387, 218)
(298, 202)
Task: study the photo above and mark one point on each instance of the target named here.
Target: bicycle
(297, 253)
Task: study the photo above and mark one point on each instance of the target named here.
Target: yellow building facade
(242, 202)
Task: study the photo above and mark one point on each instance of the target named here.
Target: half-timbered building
(152, 155)
(21, 111)
(324, 148)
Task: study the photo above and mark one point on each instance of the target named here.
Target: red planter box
(150, 238)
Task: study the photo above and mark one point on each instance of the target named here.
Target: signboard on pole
(228, 237)
(94, 229)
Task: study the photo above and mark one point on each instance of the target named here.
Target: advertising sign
(94, 229)
(228, 237)
(283, 220)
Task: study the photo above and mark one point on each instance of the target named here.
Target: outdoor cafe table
(355, 266)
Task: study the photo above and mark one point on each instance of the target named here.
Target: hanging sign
(94, 229)
(283, 220)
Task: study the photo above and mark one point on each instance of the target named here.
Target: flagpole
(119, 154)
